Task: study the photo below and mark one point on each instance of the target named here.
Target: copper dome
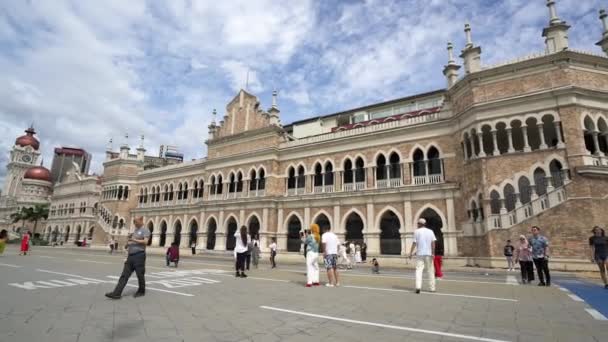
(28, 139)
(38, 173)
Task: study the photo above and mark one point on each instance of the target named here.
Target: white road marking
(161, 290)
(432, 293)
(9, 265)
(575, 298)
(94, 261)
(563, 289)
(258, 278)
(596, 314)
(511, 280)
(71, 275)
(387, 326)
(46, 256)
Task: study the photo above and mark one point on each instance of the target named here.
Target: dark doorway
(390, 238)
(354, 228)
(231, 228)
(211, 228)
(294, 226)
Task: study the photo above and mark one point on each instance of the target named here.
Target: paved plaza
(57, 294)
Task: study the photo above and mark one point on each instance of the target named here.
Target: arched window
(232, 184)
(495, 204)
(419, 163)
(166, 194)
(329, 174)
(195, 189)
(120, 192)
(510, 197)
(473, 212)
(262, 180)
(354, 228)
(239, 182)
(253, 181)
(185, 195)
(126, 193)
(540, 179)
(177, 232)
(152, 195)
(556, 173)
(163, 234)
(480, 200)
(359, 170)
(524, 189)
(301, 183)
(201, 189)
(318, 175)
(220, 185)
(180, 191)
(381, 167)
(348, 172)
(213, 185)
(291, 178)
(434, 161)
(254, 227)
(170, 192)
(395, 166)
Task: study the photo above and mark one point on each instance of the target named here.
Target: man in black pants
(540, 255)
(136, 261)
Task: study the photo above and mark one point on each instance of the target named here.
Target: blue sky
(88, 71)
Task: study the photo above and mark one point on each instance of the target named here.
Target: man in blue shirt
(540, 255)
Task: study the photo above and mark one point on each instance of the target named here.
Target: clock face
(26, 158)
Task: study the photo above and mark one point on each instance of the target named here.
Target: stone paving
(57, 294)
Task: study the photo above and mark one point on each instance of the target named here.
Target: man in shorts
(329, 242)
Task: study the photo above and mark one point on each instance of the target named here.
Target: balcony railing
(295, 191)
(428, 179)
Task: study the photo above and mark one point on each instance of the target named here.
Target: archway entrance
(390, 238)
(78, 230)
(177, 235)
(323, 222)
(163, 234)
(55, 234)
(254, 227)
(231, 228)
(193, 232)
(294, 226)
(354, 228)
(151, 229)
(211, 228)
(434, 223)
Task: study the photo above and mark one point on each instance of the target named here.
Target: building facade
(500, 149)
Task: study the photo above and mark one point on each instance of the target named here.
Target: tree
(21, 215)
(37, 213)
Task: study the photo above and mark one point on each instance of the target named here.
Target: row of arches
(63, 234)
(522, 189)
(595, 134)
(389, 221)
(520, 134)
(115, 192)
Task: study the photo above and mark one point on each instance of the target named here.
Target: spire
(471, 54)
(109, 146)
(213, 117)
(450, 71)
(141, 143)
(467, 32)
(212, 125)
(556, 34)
(604, 42)
(274, 110)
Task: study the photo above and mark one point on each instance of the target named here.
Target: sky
(87, 71)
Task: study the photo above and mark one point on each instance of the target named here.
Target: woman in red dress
(25, 243)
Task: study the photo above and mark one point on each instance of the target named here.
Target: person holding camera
(136, 260)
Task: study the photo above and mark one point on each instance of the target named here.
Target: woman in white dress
(358, 253)
(343, 259)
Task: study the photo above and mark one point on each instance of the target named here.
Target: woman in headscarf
(3, 239)
(311, 242)
(523, 254)
(242, 241)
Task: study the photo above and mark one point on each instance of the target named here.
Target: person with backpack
(508, 252)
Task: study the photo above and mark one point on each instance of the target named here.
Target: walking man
(329, 241)
(540, 255)
(136, 260)
(424, 243)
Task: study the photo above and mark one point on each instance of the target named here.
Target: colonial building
(502, 148)
(74, 209)
(27, 183)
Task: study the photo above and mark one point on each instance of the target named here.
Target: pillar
(524, 130)
(510, 140)
(155, 239)
(558, 133)
(464, 150)
(220, 241)
(281, 233)
(495, 143)
(450, 234)
(541, 133)
(472, 146)
(596, 143)
(482, 153)
(336, 221)
(372, 233)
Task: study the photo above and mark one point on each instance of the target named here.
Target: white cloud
(242, 76)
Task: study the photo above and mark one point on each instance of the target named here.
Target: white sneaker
(337, 284)
(329, 285)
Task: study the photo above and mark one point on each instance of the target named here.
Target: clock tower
(24, 155)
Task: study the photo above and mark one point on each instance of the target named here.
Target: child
(508, 251)
(375, 266)
(173, 254)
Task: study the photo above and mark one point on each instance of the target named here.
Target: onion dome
(28, 139)
(40, 173)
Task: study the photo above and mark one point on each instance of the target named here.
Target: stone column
(495, 143)
(596, 143)
(155, 239)
(482, 153)
(404, 243)
(373, 243)
(510, 140)
(464, 150)
(449, 236)
(524, 130)
(558, 133)
(541, 134)
(472, 146)
(281, 234)
(220, 241)
(337, 228)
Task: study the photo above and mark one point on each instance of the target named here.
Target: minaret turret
(556, 34)
(471, 54)
(450, 71)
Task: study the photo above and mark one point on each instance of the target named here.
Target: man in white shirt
(329, 242)
(424, 243)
